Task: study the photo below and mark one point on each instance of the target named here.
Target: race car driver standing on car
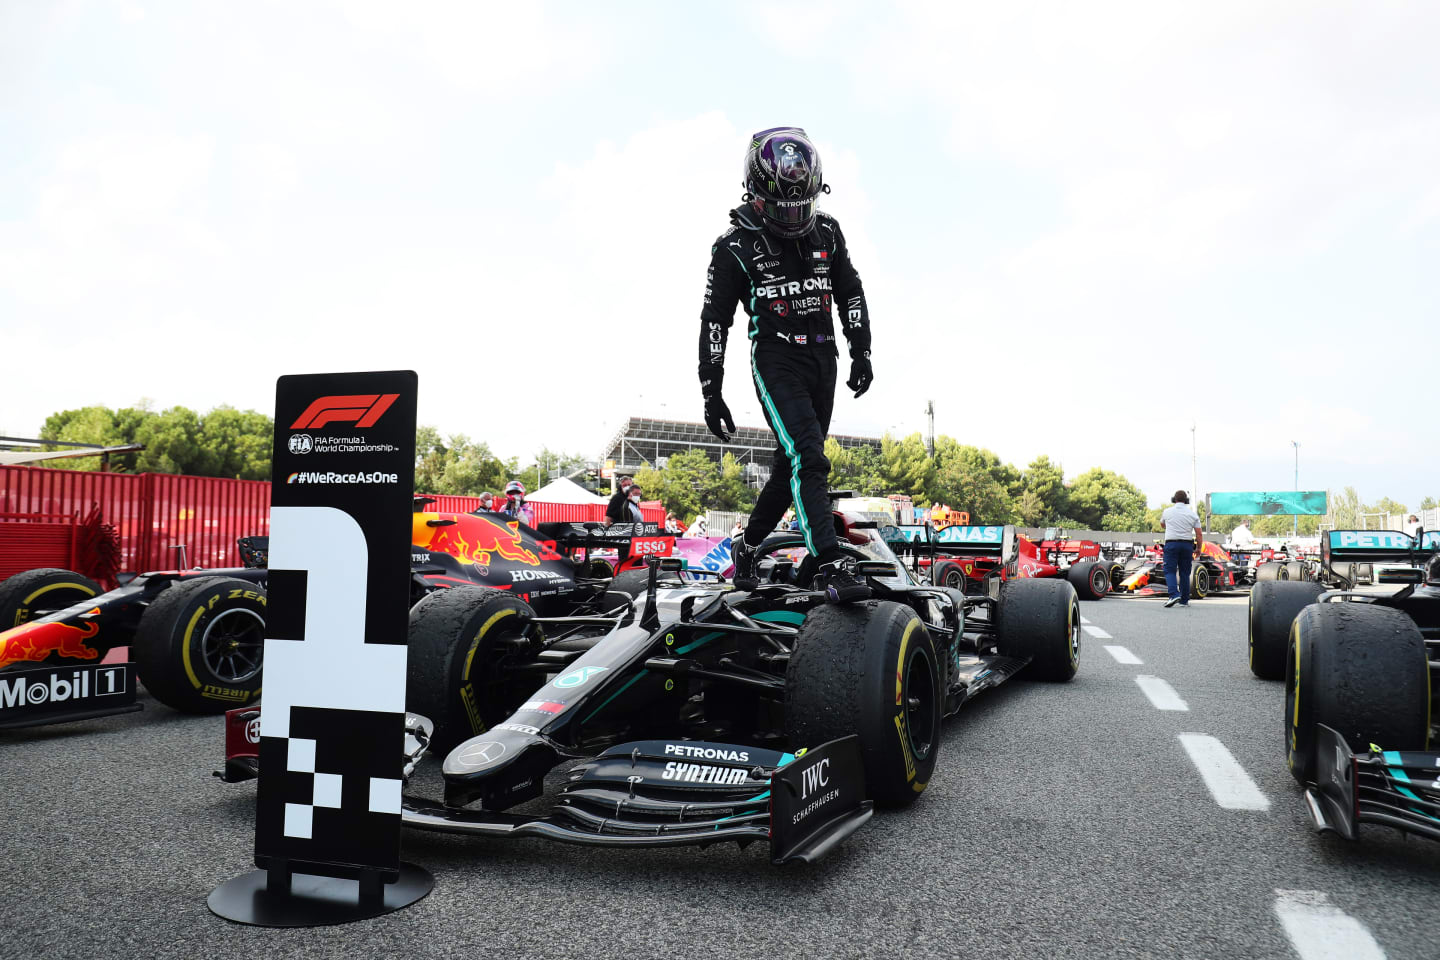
(786, 262)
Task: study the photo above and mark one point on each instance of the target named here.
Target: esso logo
(654, 547)
(252, 730)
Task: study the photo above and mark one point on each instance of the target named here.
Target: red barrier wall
(154, 512)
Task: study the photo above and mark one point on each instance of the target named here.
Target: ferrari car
(1360, 683)
(704, 713)
(968, 557)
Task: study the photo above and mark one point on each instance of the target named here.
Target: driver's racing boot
(839, 582)
(743, 556)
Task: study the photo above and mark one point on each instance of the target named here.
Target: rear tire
(948, 573)
(1040, 619)
(1116, 572)
(1269, 570)
(1091, 580)
(1273, 607)
(1295, 570)
(48, 588)
(869, 669)
(455, 672)
(199, 647)
(1360, 669)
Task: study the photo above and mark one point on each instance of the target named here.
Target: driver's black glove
(861, 376)
(717, 416)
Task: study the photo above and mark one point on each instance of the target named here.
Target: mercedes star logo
(482, 753)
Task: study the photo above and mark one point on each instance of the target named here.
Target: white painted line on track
(1097, 633)
(1122, 655)
(1084, 620)
(1229, 784)
(1319, 930)
(1161, 694)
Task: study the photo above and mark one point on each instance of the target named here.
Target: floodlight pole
(1194, 474)
(1295, 535)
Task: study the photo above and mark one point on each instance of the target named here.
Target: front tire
(869, 669)
(1200, 582)
(200, 644)
(1040, 620)
(1361, 670)
(459, 640)
(48, 588)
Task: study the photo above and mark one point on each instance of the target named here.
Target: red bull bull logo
(33, 642)
(473, 539)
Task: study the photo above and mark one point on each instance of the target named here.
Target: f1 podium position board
(332, 719)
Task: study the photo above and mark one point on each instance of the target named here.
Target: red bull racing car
(703, 713)
(196, 637)
(1212, 571)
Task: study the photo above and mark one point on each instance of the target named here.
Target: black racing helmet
(783, 180)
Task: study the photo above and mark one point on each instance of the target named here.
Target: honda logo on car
(26, 689)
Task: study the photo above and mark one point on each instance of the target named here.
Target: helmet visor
(791, 217)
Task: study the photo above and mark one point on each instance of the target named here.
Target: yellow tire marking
(467, 689)
(185, 646)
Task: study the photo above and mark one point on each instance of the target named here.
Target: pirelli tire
(1360, 669)
(1269, 570)
(460, 639)
(1040, 620)
(1091, 580)
(869, 669)
(1272, 609)
(949, 573)
(1296, 570)
(48, 588)
(199, 645)
(1117, 573)
(1201, 583)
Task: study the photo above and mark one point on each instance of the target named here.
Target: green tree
(223, 443)
(1101, 499)
(1428, 503)
(973, 479)
(854, 468)
(1043, 495)
(1345, 509)
(459, 466)
(241, 441)
(905, 467)
(550, 464)
(1386, 505)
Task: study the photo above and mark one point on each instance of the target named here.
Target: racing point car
(1359, 672)
(197, 636)
(968, 558)
(1210, 572)
(703, 713)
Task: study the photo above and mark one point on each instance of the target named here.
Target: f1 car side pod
(635, 795)
(1396, 789)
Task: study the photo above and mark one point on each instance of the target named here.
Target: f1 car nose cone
(473, 756)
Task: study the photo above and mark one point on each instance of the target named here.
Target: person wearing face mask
(515, 506)
(785, 262)
(615, 509)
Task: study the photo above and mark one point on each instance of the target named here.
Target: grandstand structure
(645, 440)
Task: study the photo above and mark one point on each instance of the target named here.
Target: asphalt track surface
(1063, 821)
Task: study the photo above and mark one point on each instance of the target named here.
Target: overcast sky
(1081, 227)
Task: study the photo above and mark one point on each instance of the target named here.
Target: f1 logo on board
(362, 409)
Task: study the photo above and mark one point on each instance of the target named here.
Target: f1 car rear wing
(1389, 787)
(1377, 546)
(576, 535)
(966, 540)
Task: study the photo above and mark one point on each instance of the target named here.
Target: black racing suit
(787, 287)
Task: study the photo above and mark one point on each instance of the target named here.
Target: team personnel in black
(787, 262)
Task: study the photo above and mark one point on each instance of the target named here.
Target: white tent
(564, 490)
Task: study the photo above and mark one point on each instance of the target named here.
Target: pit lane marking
(1162, 695)
(1229, 784)
(1122, 655)
(1096, 632)
(1319, 930)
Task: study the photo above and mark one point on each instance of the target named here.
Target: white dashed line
(1161, 694)
(1229, 784)
(1084, 620)
(1122, 655)
(1097, 633)
(1321, 931)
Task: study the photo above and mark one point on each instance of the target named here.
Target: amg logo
(814, 777)
(699, 773)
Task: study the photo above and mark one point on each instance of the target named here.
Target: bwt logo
(362, 409)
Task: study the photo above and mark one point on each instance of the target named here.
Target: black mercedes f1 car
(703, 713)
(1360, 672)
